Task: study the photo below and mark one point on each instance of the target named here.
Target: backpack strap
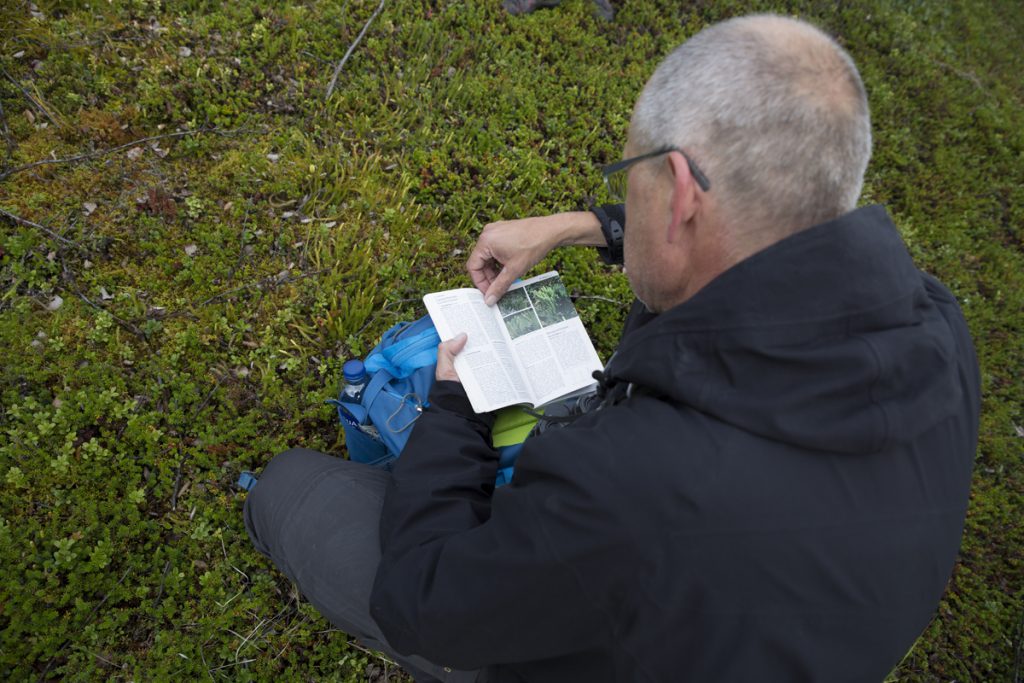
(405, 356)
(357, 411)
(377, 383)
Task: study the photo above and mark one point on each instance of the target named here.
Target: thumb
(446, 353)
(499, 286)
(454, 345)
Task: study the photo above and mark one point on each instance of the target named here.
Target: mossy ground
(212, 283)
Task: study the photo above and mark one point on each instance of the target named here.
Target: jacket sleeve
(469, 576)
(613, 226)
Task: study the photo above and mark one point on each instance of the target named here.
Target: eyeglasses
(615, 174)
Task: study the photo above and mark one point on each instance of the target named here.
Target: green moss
(223, 277)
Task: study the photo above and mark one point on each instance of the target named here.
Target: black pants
(316, 517)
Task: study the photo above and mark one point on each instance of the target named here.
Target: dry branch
(32, 100)
(103, 152)
(42, 228)
(348, 53)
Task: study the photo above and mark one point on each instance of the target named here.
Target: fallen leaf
(273, 158)
(134, 153)
(105, 295)
(184, 51)
(87, 264)
(158, 203)
(55, 303)
(30, 116)
(330, 224)
(191, 250)
(1020, 430)
(228, 205)
(89, 207)
(19, 54)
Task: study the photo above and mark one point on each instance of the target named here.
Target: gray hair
(775, 114)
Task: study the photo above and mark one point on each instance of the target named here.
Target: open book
(530, 348)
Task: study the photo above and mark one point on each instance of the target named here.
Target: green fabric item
(511, 426)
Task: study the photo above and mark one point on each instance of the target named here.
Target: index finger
(482, 269)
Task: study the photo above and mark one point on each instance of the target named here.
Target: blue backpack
(401, 372)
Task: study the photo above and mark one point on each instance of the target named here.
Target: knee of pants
(276, 486)
(290, 461)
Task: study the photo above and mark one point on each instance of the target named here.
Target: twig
(69, 279)
(99, 657)
(224, 605)
(6, 132)
(226, 666)
(396, 302)
(28, 96)
(117, 319)
(317, 58)
(202, 655)
(241, 251)
(370, 652)
(103, 152)
(268, 280)
(42, 228)
(163, 579)
(337, 69)
(177, 482)
(602, 298)
(248, 637)
(966, 75)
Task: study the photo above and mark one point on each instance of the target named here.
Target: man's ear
(685, 195)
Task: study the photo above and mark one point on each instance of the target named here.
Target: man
(774, 484)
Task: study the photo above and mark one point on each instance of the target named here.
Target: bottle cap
(354, 371)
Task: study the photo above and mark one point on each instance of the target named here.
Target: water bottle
(355, 381)
(356, 378)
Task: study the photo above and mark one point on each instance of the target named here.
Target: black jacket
(780, 497)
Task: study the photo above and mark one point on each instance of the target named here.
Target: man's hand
(446, 352)
(507, 249)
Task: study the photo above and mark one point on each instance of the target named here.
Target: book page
(485, 366)
(548, 338)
